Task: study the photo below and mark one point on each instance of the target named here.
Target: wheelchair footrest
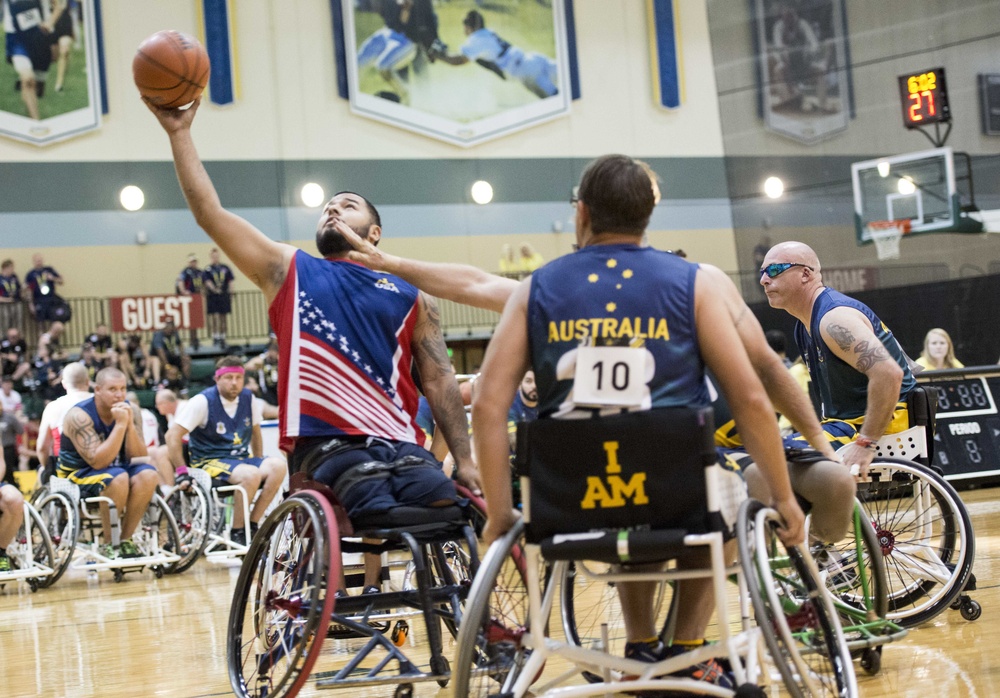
(616, 547)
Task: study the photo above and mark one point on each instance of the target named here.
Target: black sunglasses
(775, 270)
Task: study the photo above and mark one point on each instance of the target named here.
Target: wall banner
(150, 313)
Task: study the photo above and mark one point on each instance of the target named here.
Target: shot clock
(924, 98)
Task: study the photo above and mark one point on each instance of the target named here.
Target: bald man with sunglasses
(859, 370)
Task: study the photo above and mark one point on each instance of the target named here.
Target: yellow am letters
(618, 492)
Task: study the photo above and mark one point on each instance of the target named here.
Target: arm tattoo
(431, 341)
(842, 336)
(868, 355)
(80, 429)
(740, 315)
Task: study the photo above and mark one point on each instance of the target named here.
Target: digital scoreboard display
(967, 434)
(924, 98)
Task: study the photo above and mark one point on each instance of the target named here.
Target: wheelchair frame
(38, 573)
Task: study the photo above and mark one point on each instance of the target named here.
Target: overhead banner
(54, 67)
(220, 43)
(150, 313)
(459, 73)
(668, 80)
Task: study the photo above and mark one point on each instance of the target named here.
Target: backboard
(916, 187)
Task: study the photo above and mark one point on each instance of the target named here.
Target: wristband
(864, 442)
(182, 471)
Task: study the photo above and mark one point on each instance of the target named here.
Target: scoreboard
(924, 98)
(967, 425)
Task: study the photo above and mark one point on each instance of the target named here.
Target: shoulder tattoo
(869, 355)
(842, 336)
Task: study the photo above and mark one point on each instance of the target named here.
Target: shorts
(93, 482)
(218, 304)
(383, 475)
(221, 468)
(33, 45)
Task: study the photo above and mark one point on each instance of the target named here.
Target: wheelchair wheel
(160, 533)
(793, 610)
(192, 510)
(38, 549)
(854, 564)
(924, 535)
(281, 605)
(588, 604)
(62, 522)
(489, 657)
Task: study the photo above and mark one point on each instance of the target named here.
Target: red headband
(228, 369)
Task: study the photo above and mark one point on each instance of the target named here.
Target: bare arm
(264, 261)
(725, 356)
(98, 454)
(42, 440)
(441, 389)
(460, 283)
(851, 338)
(135, 443)
(175, 445)
(779, 384)
(256, 442)
(504, 366)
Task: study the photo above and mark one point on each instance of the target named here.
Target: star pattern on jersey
(612, 263)
(611, 307)
(627, 274)
(592, 278)
(312, 319)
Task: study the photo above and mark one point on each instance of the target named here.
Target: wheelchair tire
(62, 521)
(159, 523)
(920, 522)
(192, 509)
(794, 612)
(489, 657)
(40, 545)
(281, 604)
(845, 582)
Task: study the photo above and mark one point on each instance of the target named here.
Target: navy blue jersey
(70, 458)
(223, 436)
(843, 390)
(616, 295)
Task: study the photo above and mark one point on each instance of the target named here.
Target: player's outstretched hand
(174, 119)
(364, 252)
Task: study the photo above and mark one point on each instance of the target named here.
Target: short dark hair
(372, 211)
(776, 340)
(618, 193)
(474, 20)
(229, 360)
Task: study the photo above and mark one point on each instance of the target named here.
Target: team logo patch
(246, 422)
(220, 428)
(386, 285)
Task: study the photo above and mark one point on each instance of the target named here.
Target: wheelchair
(31, 553)
(616, 519)
(922, 528)
(284, 604)
(74, 525)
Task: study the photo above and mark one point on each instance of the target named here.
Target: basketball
(170, 69)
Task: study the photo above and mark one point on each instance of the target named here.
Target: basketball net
(886, 236)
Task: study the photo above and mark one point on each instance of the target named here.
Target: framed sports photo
(459, 72)
(802, 67)
(50, 82)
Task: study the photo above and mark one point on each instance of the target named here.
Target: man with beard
(347, 336)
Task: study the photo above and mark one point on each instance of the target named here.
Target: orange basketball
(170, 69)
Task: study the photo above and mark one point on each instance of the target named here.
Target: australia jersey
(620, 295)
(223, 436)
(70, 458)
(344, 334)
(843, 390)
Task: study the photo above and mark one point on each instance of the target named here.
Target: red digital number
(930, 102)
(915, 114)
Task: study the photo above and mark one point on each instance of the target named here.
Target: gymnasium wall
(289, 127)
(884, 40)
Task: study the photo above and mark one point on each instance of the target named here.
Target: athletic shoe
(371, 589)
(128, 550)
(238, 536)
(109, 551)
(6, 564)
(840, 575)
(651, 652)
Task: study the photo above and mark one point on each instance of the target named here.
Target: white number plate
(610, 376)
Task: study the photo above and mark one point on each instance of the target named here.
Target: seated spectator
(530, 260)
(135, 361)
(169, 348)
(263, 371)
(51, 339)
(103, 346)
(41, 282)
(11, 314)
(939, 352)
(45, 381)
(509, 264)
(14, 353)
(10, 399)
(10, 429)
(89, 360)
(172, 380)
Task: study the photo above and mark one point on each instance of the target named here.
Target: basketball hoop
(886, 236)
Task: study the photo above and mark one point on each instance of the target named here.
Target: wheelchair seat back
(643, 471)
(921, 404)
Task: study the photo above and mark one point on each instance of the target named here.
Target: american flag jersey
(344, 335)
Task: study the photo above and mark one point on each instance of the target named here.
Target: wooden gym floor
(88, 636)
